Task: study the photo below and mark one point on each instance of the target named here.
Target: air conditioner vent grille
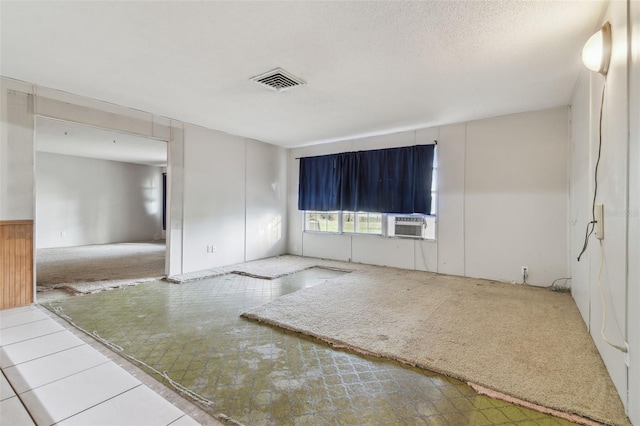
(407, 226)
(278, 80)
(409, 230)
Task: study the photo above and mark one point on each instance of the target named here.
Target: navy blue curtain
(394, 180)
(349, 187)
(319, 185)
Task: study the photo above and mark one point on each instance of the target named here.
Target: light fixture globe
(596, 53)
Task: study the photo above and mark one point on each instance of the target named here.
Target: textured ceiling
(62, 137)
(369, 67)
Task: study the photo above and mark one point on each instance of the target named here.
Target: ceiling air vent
(278, 80)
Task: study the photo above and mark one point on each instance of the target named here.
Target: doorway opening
(100, 208)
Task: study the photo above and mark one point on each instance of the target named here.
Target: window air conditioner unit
(409, 226)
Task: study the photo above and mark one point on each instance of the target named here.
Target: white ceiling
(61, 137)
(370, 67)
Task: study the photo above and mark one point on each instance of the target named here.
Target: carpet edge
(572, 417)
(339, 344)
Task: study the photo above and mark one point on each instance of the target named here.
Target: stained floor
(260, 375)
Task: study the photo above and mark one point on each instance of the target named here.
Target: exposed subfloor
(260, 375)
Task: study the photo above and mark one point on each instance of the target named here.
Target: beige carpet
(92, 268)
(526, 342)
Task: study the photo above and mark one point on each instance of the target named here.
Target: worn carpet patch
(93, 268)
(528, 343)
(100, 262)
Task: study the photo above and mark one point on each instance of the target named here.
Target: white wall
(210, 176)
(16, 151)
(175, 199)
(82, 201)
(633, 278)
(266, 200)
(234, 199)
(516, 196)
(580, 200)
(450, 235)
(214, 202)
(618, 190)
(502, 201)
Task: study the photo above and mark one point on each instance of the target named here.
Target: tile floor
(50, 376)
(260, 375)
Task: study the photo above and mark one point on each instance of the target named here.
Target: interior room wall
(266, 200)
(234, 199)
(633, 277)
(81, 201)
(207, 170)
(618, 189)
(450, 232)
(502, 201)
(16, 151)
(516, 196)
(580, 195)
(214, 198)
(175, 199)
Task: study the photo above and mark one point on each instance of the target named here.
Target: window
(393, 180)
(343, 222)
(322, 183)
(362, 222)
(322, 221)
(359, 223)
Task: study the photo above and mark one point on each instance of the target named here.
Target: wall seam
(184, 197)
(464, 203)
(437, 232)
(34, 192)
(629, 70)
(245, 199)
(569, 165)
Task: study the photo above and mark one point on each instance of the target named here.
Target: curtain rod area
(434, 143)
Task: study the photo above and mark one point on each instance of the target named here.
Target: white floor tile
(138, 406)
(5, 313)
(38, 347)
(185, 421)
(41, 371)
(22, 317)
(6, 391)
(64, 398)
(60, 377)
(28, 331)
(14, 413)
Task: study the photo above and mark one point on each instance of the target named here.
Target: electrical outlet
(211, 249)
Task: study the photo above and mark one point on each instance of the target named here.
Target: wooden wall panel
(16, 263)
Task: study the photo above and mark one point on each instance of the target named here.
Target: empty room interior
(311, 213)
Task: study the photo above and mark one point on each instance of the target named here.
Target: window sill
(346, 234)
(321, 232)
(356, 234)
(359, 234)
